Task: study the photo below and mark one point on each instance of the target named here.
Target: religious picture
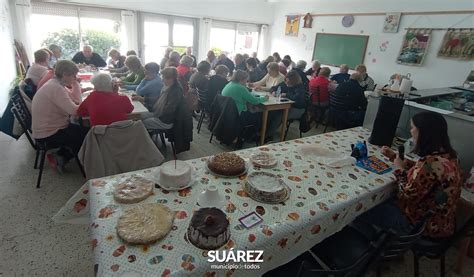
(308, 21)
(292, 25)
(457, 44)
(414, 46)
(391, 23)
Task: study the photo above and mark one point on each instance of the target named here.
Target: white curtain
(129, 30)
(204, 38)
(22, 26)
(263, 43)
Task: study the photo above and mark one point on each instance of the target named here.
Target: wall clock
(347, 21)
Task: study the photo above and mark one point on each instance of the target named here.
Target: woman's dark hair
(286, 62)
(152, 67)
(251, 62)
(287, 57)
(204, 67)
(432, 134)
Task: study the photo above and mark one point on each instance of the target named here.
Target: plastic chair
(23, 116)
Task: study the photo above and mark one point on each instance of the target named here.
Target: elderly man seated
(39, 68)
(355, 102)
(88, 57)
(104, 105)
(343, 74)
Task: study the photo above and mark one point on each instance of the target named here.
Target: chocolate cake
(209, 229)
(226, 164)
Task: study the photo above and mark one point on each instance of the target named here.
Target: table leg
(283, 123)
(264, 126)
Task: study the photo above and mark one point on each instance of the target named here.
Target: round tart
(227, 164)
(263, 160)
(266, 187)
(145, 223)
(133, 190)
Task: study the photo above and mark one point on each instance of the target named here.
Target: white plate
(194, 179)
(258, 159)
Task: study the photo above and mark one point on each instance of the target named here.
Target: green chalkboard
(337, 49)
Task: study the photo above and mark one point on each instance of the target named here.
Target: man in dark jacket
(222, 59)
(354, 101)
(88, 57)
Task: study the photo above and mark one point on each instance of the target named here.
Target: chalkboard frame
(337, 65)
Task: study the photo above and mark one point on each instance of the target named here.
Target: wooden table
(273, 104)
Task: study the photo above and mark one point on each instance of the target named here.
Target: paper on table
(326, 156)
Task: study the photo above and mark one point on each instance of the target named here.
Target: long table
(323, 200)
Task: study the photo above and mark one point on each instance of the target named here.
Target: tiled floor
(33, 245)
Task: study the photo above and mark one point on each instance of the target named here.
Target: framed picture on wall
(391, 22)
(457, 44)
(292, 25)
(414, 47)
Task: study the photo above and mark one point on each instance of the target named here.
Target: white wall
(435, 72)
(6, 48)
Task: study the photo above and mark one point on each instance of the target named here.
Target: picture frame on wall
(391, 22)
(457, 44)
(414, 47)
(292, 25)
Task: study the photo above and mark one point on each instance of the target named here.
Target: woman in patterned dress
(428, 188)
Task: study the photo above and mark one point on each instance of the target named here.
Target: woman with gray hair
(185, 72)
(149, 90)
(314, 70)
(51, 109)
(104, 105)
(273, 78)
(135, 75)
(237, 90)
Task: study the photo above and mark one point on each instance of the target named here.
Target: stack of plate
(263, 160)
(266, 187)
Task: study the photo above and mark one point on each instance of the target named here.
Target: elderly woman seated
(52, 106)
(273, 78)
(149, 90)
(104, 105)
(135, 75)
(116, 62)
(167, 105)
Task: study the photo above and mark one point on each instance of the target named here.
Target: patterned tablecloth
(323, 200)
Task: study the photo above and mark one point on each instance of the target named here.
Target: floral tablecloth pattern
(323, 200)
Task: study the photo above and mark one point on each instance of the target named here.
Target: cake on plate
(133, 190)
(145, 223)
(226, 164)
(175, 176)
(266, 187)
(209, 229)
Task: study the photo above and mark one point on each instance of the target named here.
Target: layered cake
(145, 223)
(226, 164)
(263, 160)
(209, 229)
(266, 187)
(175, 176)
(133, 190)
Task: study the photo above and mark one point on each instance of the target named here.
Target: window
(155, 40)
(70, 26)
(161, 31)
(233, 38)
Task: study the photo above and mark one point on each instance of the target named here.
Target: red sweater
(321, 83)
(105, 108)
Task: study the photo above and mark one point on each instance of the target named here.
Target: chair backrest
(336, 102)
(203, 99)
(23, 116)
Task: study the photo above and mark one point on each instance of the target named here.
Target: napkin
(326, 156)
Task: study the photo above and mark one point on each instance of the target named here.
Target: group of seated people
(158, 86)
